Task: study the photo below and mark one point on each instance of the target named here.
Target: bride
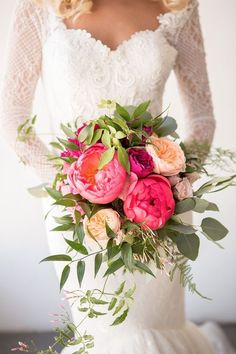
(125, 50)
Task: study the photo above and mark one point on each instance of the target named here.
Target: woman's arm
(192, 76)
(23, 65)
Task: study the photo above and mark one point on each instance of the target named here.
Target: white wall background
(29, 291)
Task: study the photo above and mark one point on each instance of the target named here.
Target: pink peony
(97, 186)
(150, 200)
(141, 163)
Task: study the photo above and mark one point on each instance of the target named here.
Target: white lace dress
(78, 70)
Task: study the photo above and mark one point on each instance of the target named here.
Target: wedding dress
(76, 71)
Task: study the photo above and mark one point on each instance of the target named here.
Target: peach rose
(95, 226)
(183, 189)
(168, 157)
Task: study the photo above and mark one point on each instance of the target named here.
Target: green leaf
(121, 318)
(127, 256)
(106, 138)
(57, 257)
(121, 123)
(98, 301)
(38, 191)
(96, 136)
(141, 109)
(114, 266)
(53, 193)
(56, 145)
(120, 288)
(68, 132)
(214, 229)
(188, 245)
(122, 112)
(65, 202)
(77, 247)
(68, 144)
(98, 263)
(201, 205)
(167, 127)
(64, 276)
(109, 231)
(212, 207)
(181, 228)
(120, 305)
(65, 227)
(85, 132)
(120, 135)
(124, 158)
(106, 157)
(112, 304)
(80, 271)
(144, 268)
(79, 230)
(184, 205)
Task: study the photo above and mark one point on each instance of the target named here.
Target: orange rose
(168, 157)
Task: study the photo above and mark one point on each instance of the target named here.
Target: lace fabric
(33, 52)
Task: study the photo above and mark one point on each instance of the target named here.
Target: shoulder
(29, 10)
(171, 23)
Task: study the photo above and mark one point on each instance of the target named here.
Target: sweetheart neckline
(104, 45)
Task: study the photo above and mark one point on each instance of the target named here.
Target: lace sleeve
(183, 31)
(23, 64)
(192, 77)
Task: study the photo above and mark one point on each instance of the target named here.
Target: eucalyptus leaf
(184, 205)
(167, 127)
(181, 228)
(188, 245)
(214, 229)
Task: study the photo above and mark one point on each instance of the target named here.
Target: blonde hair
(68, 8)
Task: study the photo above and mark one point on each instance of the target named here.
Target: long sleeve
(23, 66)
(192, 77)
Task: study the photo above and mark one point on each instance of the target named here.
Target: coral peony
(97, 186)
(168, 157)
(150, 200)
(141, 162)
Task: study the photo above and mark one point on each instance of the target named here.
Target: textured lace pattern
(78, 70)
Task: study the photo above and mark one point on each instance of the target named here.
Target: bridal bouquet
(123, 181)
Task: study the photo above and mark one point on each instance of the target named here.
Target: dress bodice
(89, 70)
